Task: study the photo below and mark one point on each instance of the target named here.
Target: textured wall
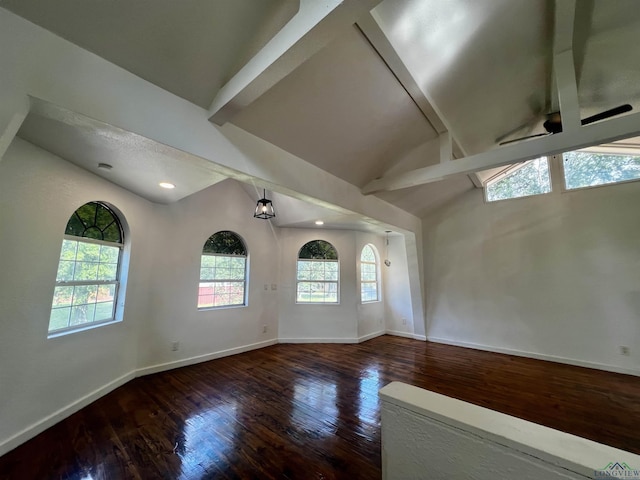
(553, 275)
(429, 436)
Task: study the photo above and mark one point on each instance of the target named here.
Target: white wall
(39, 192)
(371, 315)
(555, 276)
(173, 314)
(347, 321)
(39, 376)
(397, 293)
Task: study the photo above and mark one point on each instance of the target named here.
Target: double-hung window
(317, 273)
(368, 275)
(223, 271)
(87, 281)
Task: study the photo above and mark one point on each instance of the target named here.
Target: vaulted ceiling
(365, 90)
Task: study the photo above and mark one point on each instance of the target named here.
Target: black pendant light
(264, 208)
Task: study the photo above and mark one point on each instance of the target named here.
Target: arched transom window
(317, 273)
(88, 275)
(369, 291)
(223, 271)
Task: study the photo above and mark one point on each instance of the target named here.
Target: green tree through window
(87, 279)
(317, 273)
(588, 169)
(223, 270)
(532, 178)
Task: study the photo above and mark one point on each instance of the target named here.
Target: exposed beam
(13, 110)
(370, 27)
(446, 147)
(594, 134)
(563, 65)
(310, 30)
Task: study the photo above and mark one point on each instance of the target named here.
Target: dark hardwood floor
(309, 412)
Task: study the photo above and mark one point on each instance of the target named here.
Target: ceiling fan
(553, 123)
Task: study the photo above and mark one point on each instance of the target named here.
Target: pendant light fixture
(387, 262)
(264, 207)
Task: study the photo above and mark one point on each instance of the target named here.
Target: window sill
(81, 328)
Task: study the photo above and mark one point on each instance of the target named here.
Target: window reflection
(208, 439)
(314, 406)
(368, 409)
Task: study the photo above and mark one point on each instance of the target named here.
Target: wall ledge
(483, 429)
(537, 356)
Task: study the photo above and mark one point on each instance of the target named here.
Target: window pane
(66, 270)
(588, 169)
(369, 292)
(107, 271)
(106, 293)
(104, 311)
(367, 255)
(68, 251)
(62, 297)
(205, 295)
(83, 294)
(207, 274)
(368, 276)
(82, 314)
(88, 252)
(208, 261)
(531, 179)
(85, 271)
(109, 254)
(331, 271)
(59, 318)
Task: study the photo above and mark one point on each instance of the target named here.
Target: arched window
(369, 275)
(88, 276)
(318, 273)
(223, 271)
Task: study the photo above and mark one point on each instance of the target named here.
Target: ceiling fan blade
(607, 114)
(524, 138)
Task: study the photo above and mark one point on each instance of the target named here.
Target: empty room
(319, 239)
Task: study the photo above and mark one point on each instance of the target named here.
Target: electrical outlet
(175, 346)
(624, 350)
(266, 286)
(404, 321)
(274, 286)
(264, 329)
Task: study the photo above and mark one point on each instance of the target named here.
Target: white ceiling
(139, 164)
(483, 68)
(188, 47)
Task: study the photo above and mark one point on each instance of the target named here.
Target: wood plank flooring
(309, 412)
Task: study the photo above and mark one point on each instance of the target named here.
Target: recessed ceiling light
(319, 222)
(167, 185)
(105, 166)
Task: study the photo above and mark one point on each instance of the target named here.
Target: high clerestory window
(587, 168)
(369, 275)
(524, 180)
(223, 271)
(89, 270)
(317, 273)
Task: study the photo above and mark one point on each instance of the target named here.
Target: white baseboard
(161, 367)
(50, 420)
(537, 356)
(364, 338)
(414, 336)
(318, 340)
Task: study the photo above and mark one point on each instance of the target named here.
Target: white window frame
(221, 281)
(376, 282)
(115, 317)
(324, 282)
